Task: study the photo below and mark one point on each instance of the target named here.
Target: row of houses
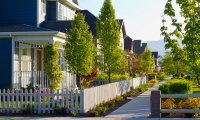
(26, 26)
(137, 47)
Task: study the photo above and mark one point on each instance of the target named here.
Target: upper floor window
(43, 7)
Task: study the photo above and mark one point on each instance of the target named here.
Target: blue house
(26, 26)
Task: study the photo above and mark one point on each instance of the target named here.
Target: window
(43, 7)
(60, 12)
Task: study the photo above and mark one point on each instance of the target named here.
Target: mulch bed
(173, 115)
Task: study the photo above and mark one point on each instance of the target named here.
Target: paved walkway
(138, 107)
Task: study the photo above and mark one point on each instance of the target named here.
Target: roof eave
(55, 33)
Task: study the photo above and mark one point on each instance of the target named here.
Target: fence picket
(44, 101)
(67, 101)
(17, 101)
(30, 98)
(39, 101)
(53, 102)
(48, 96)
(8, 100)
(72, 100)
(81, 101)
(12, 95)
(76, 102)
(26, 98)
(4, 100)
(62, 98)
(35, 101)
(57, 100)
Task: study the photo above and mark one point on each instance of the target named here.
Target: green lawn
(195, 89)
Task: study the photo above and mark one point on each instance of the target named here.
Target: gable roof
(128, 43)
(155, 55)
(139, 47)
(61, 26)
(121, 21)
(90, 20)
(20, 28)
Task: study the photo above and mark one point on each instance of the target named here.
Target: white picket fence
(42, 101)
(46, 101)
(95, 95)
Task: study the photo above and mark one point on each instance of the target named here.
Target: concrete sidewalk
(138, 107)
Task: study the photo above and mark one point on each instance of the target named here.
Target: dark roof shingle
(90, 20)
(128, 43)
(61, 26)
(20, 28)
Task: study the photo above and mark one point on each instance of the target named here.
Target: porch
(29, 67)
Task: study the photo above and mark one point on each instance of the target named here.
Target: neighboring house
(155, 58)
(25, 28)
(122, 32)
(139, 47)
(128, 44)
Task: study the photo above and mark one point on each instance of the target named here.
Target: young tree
(173, 66)
(187, 31)
(80, 51)
(147, 62)
(109, 39)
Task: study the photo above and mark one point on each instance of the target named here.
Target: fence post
(81, 101)
(155, 104)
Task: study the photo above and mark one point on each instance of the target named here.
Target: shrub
(143, 87)
(164, 88)
(180, 87)
(176, 87)
(104, 76)
(161, 76)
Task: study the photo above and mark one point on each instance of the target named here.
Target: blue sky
(142, 17)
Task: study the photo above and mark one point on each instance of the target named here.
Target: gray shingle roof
(138, 47)
(128, 43)
(61, 26)
(90, 20)
(155, 54)
(20, 28)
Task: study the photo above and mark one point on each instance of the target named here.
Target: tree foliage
(188, 31)
(108, 34)
(172, 66)
(147, 62)
(80, 51)
(51, 65)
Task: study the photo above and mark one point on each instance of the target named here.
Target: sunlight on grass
(195, 89)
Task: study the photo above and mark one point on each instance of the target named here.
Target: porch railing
(23, 79)
(39, 79)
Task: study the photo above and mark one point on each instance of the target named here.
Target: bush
(176, 87)
(164, 88)
(180, 87)
(104, 76)
(143, 87)
(161, 76)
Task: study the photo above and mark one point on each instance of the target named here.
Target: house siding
(51, 10)
(18, 12)
(5, 63)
